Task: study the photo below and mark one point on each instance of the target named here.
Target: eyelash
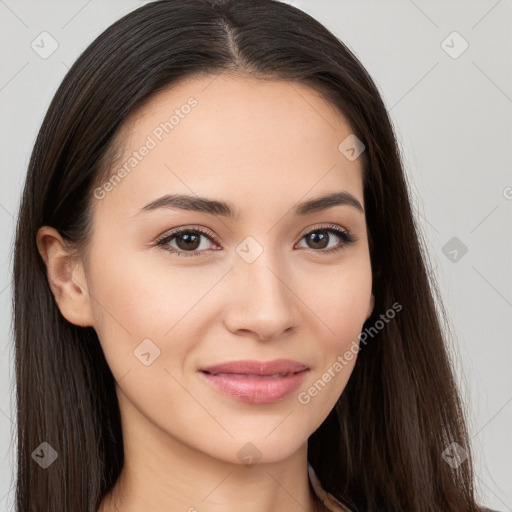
(346, 237)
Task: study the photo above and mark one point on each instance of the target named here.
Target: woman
(220, 292)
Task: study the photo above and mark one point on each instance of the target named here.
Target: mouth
(251, 376)
(254, 381)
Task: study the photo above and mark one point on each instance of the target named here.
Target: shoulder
(329, 501)
(332, 503)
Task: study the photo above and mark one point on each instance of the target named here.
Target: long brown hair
(381, 446)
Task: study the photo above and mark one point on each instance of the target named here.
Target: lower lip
(257, 390)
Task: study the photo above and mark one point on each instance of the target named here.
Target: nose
(262, 302)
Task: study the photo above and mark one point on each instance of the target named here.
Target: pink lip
(255, 381)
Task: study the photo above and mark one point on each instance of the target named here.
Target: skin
(269, 146)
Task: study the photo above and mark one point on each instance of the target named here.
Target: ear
(65, 277)
(370, 306)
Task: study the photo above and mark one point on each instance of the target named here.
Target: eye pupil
(191, 241)
(319, 238)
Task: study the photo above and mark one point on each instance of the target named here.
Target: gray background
(453, 121)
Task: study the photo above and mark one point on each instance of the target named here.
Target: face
(269, 281)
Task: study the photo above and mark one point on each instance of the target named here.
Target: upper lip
(251, 367)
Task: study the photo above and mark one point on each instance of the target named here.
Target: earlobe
(65, 277)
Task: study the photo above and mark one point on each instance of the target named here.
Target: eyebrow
(225, 209)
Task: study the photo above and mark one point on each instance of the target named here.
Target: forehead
(254, 140)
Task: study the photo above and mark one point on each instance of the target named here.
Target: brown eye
(188, 242)
(319, 239)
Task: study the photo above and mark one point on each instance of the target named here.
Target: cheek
(142, 299)
(339, 299)
(142, 309)
(336, 355)
(339, 308)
